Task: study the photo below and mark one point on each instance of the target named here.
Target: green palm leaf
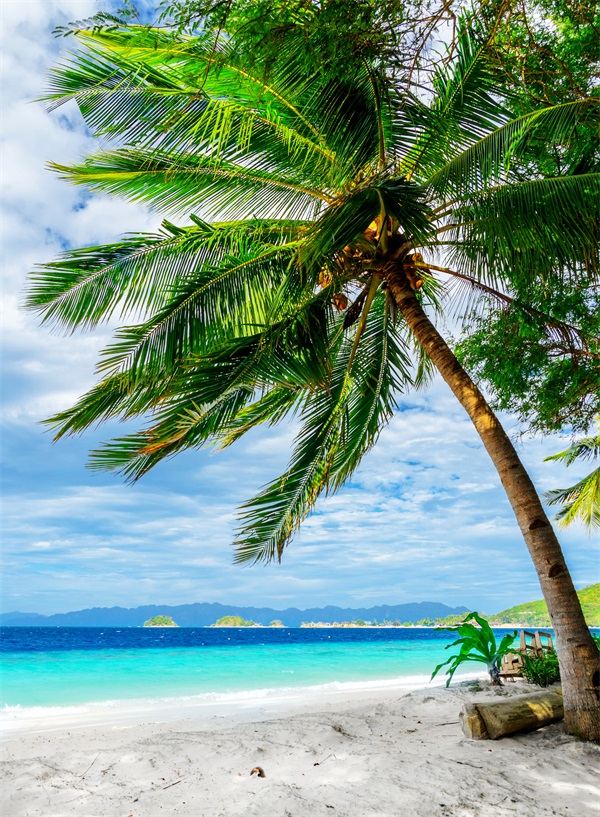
(463, 108)
(201, 401)
(140, 273)
(521, 244)
(340, 426)
(216, 304)
(183, 183)
(582, 500)
(488, 159)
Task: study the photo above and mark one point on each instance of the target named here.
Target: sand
(383, 753)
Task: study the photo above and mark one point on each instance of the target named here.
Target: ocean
(66, 666)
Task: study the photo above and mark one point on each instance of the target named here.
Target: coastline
(16, 721)
(350, 753)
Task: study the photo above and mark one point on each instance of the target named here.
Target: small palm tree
(582, 500)
(329, 200)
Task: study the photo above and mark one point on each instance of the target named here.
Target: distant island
(160, 621)
(238, 621)
(233, 621)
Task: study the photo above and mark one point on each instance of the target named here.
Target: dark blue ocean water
(61, 666)
(50, 639)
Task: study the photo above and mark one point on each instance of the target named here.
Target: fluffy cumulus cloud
(424, 517)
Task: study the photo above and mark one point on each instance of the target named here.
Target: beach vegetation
(344, 178)
(276, 623)
(477, 644)
(541, 670)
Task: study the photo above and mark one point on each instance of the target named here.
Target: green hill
(233, 621)
(535, 613)
(160, 621)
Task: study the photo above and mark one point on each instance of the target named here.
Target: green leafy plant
(542, 670)
(582, 500)
(477, 643)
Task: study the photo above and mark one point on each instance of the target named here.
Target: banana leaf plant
(477, 643)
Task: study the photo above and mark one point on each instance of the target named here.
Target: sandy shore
(385, 753)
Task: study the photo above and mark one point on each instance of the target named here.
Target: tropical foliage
(541, 670)
(305, 178)
(537, 371)
(545, 51)
(477, 644)
(582, 500)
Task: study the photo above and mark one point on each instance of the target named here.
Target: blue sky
(424, 519)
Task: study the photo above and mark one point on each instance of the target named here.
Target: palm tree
(341, 199)
(582, 500)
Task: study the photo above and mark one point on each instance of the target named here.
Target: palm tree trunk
(577, 652)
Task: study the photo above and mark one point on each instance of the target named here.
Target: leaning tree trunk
(577, 653)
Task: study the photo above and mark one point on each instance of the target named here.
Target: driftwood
(519, 713)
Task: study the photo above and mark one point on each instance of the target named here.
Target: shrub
(541, 670)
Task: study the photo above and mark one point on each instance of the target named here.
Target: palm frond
(211, 396)
(136, 454)
(341, 423)
(524, 230)
(463, 108)
(587, 448)
(217, 303)
(269, 409)
(120, 395)
(580, 502)
(183, 183)
(140, 273)
(488, 160)
(142, 88)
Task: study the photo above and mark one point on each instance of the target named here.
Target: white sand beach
(381, 753)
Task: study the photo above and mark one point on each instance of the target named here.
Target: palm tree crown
(304, 184)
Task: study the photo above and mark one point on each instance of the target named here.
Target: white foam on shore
(241, 704)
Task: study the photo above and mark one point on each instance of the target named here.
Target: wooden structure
(531, 643)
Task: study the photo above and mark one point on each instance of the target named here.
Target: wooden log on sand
(519, 713)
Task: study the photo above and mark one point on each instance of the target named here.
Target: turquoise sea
(57, 667)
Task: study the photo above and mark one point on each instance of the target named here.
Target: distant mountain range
(203, 614)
